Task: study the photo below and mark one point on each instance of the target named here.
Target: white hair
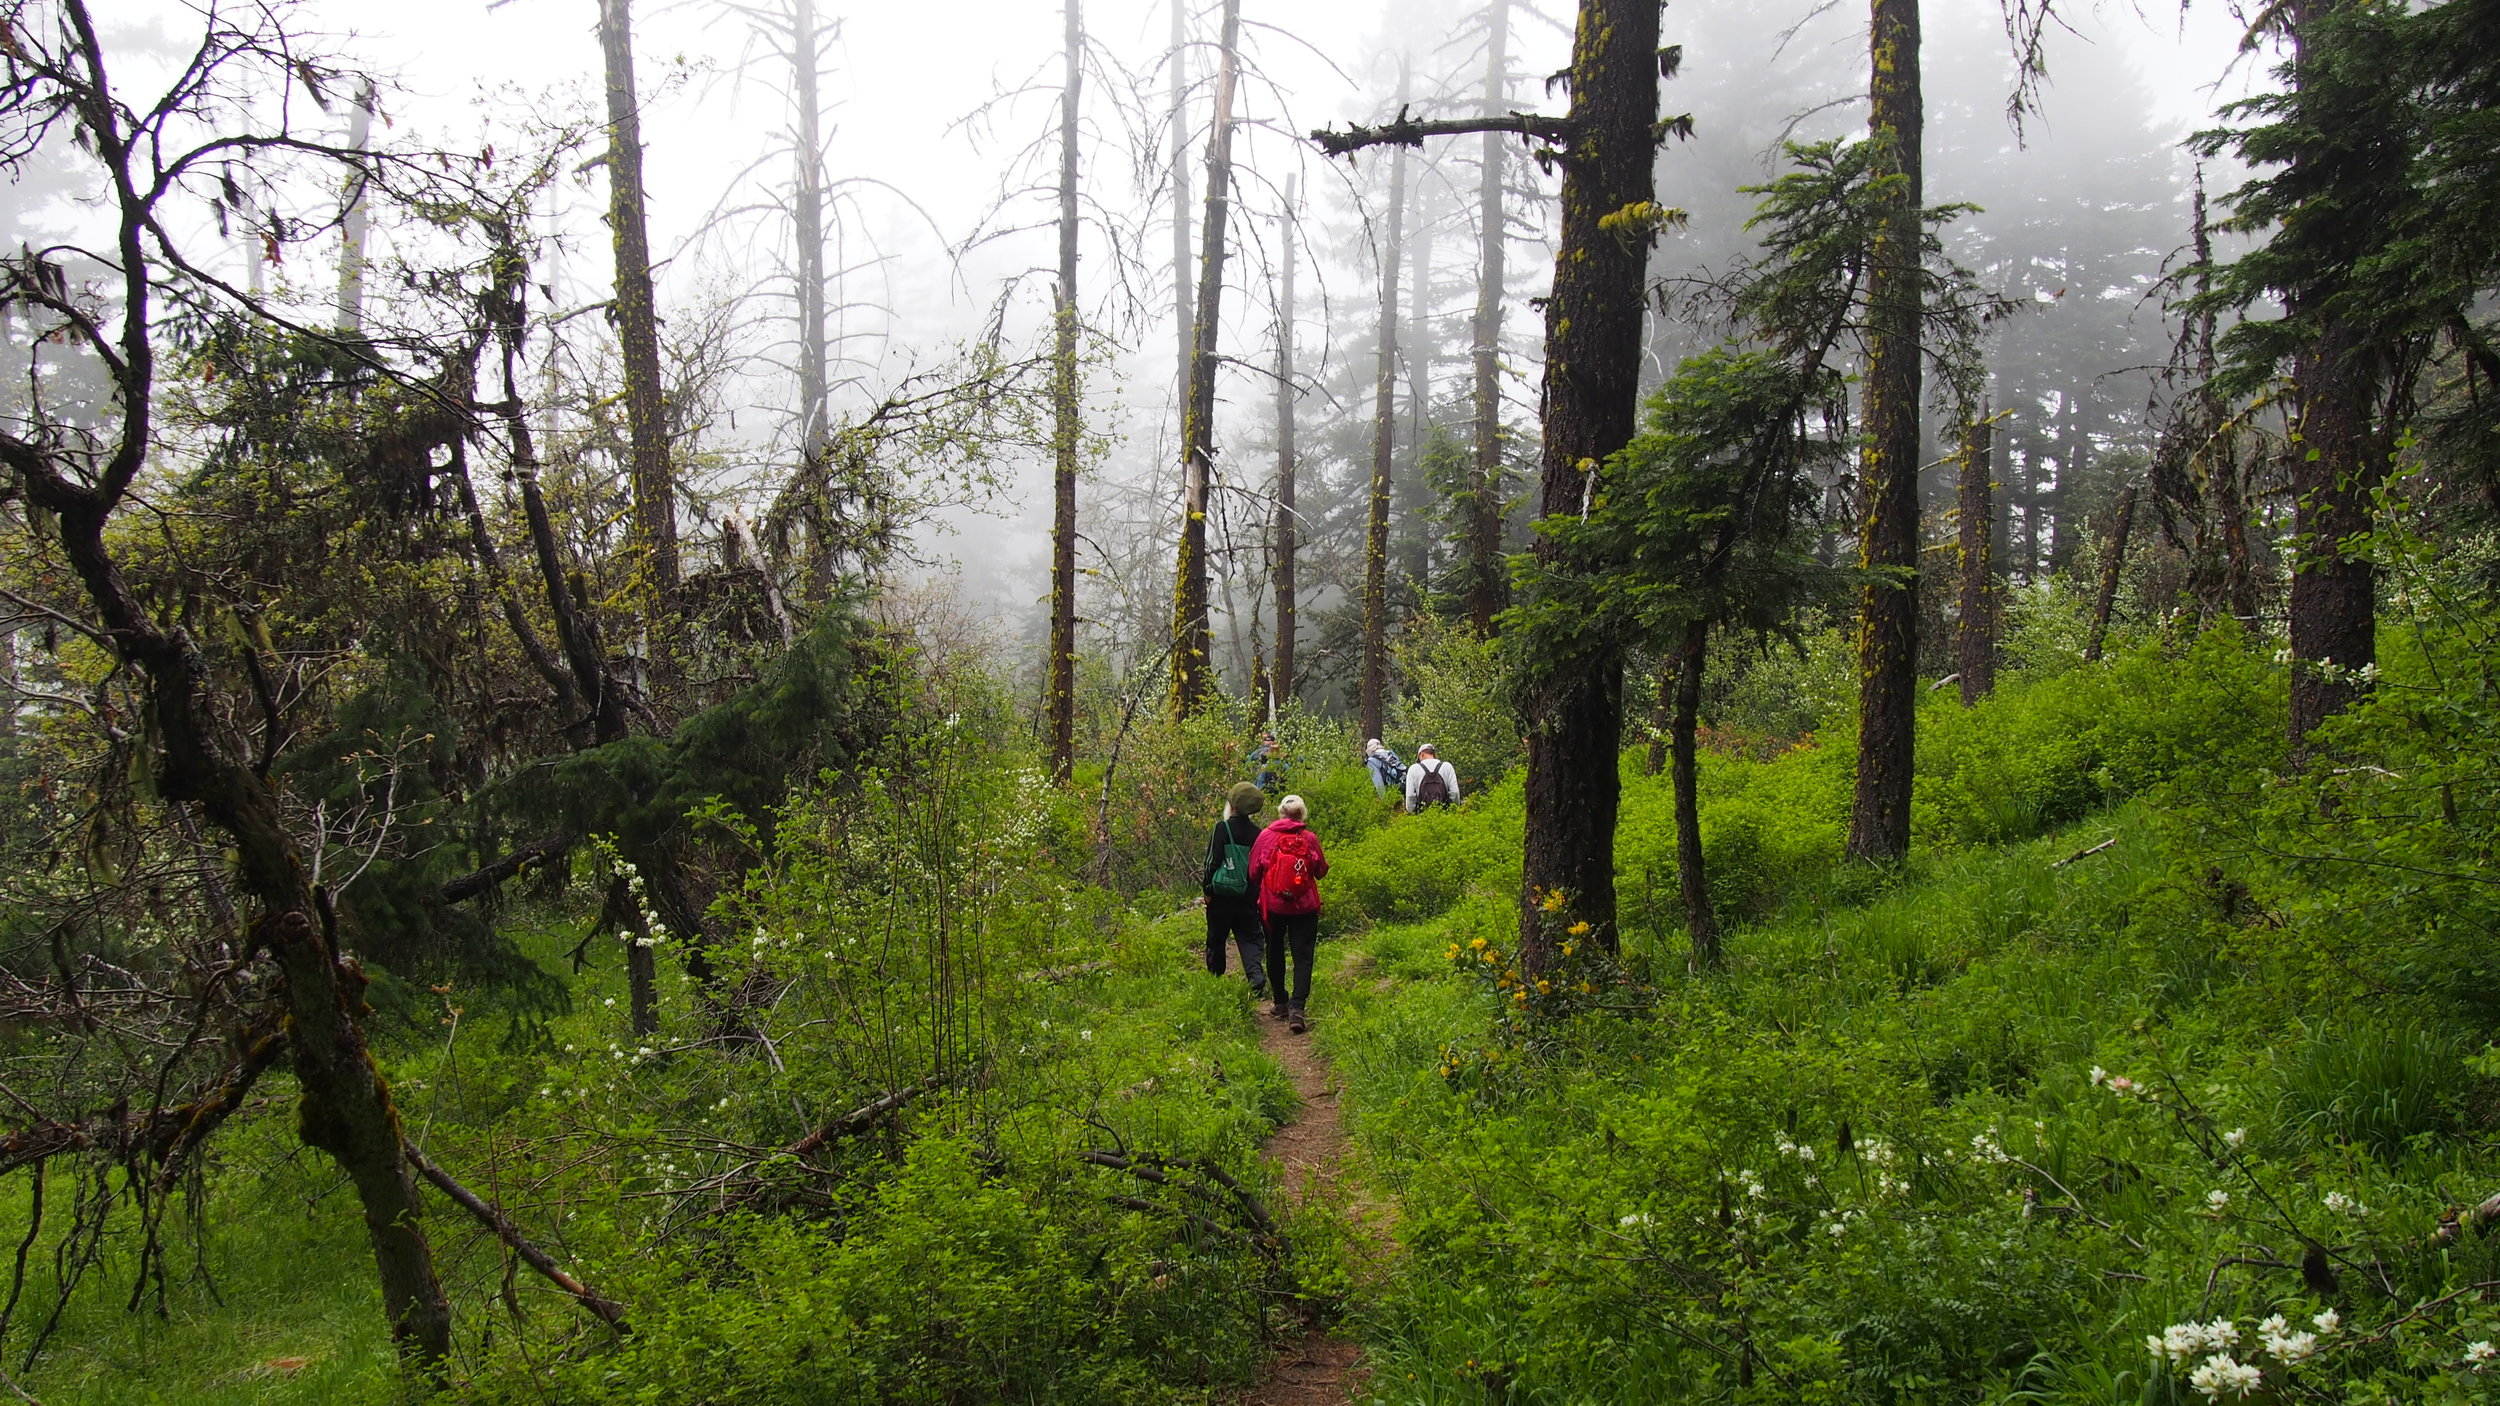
(1292, 806)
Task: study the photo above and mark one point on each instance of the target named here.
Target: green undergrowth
(2094, 1065)
(961, 1252)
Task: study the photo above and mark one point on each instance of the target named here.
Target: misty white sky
(904, 76)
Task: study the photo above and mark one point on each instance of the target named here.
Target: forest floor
(1323, 1368)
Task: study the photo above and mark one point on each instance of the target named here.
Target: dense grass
(1880, 1156)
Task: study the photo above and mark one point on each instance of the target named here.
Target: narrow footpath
(1323, 1369)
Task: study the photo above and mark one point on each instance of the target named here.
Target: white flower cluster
(1636, 1221)
(1984, 1147)
(2478, 1354)
(1837, 1226)
(2221, 1376)
(1790, 1148)
(2344, 1205)
(1750, 1182)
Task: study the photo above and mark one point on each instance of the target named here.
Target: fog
(940, 149)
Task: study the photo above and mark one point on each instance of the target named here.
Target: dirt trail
(1310, 1152)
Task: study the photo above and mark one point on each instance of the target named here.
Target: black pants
(1297, 938)
(1237, 918)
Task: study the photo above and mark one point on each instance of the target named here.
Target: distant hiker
(1386, 769)
(1269, 760)
(1287, 865)
(1232, 897)
(1430, 781)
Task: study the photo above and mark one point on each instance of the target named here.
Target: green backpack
(1232, 877)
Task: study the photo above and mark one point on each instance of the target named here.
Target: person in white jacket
(1428, 765)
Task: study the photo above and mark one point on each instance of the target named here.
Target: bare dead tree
(1192, 653)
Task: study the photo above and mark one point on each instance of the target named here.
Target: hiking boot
(1282, 1012)
(1296, 1023)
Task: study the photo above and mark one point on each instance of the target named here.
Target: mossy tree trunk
(1372, 705)
(1288, 585)
(637, 323)
(1483, 522)
(1879, 820)
(1067, 426)
(1192, 634)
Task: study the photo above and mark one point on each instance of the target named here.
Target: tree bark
(1373, 699)
(1975, 632)
(355, 220)
(2336, 468)
(1699, 922)
(1066, 426)
(807, 221)
(1192, 654)
(1287, 585)
(1591, 398)
(1414, 515)
(2111, 564)
(1485, 594)
(1184, 321)
(637, 318)
(1879, 821)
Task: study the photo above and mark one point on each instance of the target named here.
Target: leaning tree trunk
(2112, 565)
(1975, 632)
(1592, 394)
(1287, 587)
(355, 218)
(1699, 921)
(1484, 510)
(1192, 635)
(1065, 427)
(1375, 682)
(637, 319)
(1879, 821)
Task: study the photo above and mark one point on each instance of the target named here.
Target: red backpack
(1286, 887)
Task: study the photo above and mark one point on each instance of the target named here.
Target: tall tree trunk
(1484, 515)
(637, 319)
(1661, 719)
(1415, 513)
(1066, 427)
(1699, 921)
(1591, 396)
(807, 219)
(2112, 564)
(1287, 586)
(2338, 462)
(2065, 509)
(355, 219)
(2335, 469)
(1373, 700)
(1879, 820)
(1192, 637)
(1975, 633)
(1184, 322)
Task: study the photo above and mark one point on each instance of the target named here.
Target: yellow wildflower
(1578, 929)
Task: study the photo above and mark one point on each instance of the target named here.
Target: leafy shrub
(1459, 700)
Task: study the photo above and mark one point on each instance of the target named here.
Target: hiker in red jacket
(1286, 865)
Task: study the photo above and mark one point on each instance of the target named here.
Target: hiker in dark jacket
(1232, 896)
(1286, 866)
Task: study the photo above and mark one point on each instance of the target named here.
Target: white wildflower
(1805, 1153)
(2344, 1205)
(2220, 1377)
(1085, 1035)
(1985, 1148)
(610, 1003)
(2235, 1139)
(1838, 1229)
(2479, 1354)
(1634, 1221)
(2098, 1074)
(2328, 1321)
(2218, 1198)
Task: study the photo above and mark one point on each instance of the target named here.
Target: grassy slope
(1579, 1204)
